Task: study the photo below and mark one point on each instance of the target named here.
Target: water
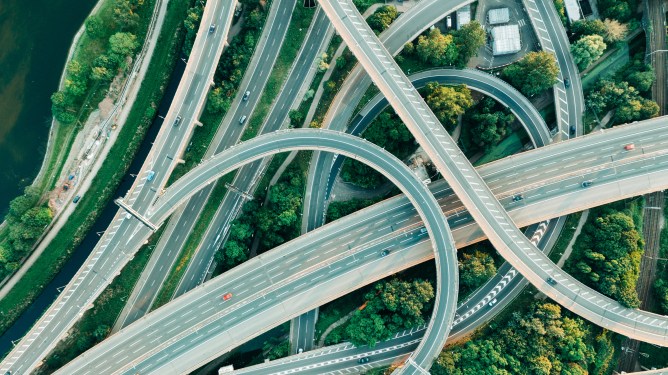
(50, 292)
(35, 37)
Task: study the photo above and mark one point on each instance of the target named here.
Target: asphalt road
(568, 101)
(119, 243)
(181, 224)
(471, 314)
(260, 282)
(145, 347)
(479, 200)
(248, 176)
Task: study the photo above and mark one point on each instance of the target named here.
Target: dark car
(212, 28)
(76, 199)
(551, 281)
(177, 121)
(363, 360)
(567, 82)
(572, 129)
(586, 184)
(518, 198)
(384, 253)
(246, 95)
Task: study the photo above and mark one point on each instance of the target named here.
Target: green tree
(124, 14)
(533, 74)
(218, 101)
(448, 102)
(436, 48)
(94, 26)
(390, 306)
(381, 19)
(636, 110)
(607, 256)
(587, 49)
(296, 118)
(621, 10)
(475, 269)
(123, 44)
(588, 27)
(101, 332)
(469, 39)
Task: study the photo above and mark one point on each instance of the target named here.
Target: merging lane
(121, 240)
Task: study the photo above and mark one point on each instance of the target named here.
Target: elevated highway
(476, 196)
(157, 353)
(315, 261)
(122, 239)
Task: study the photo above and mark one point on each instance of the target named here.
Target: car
(76, 199)
(242, 120)
(300, 350)
(572, 129)
(150, 176)
(586, 184)
(246, 95)
(212, 28)
(551, 281)
(423, 230)
(227, 296)
(517, 198)
(384, 253)
(177, 121)
(567, 82)
(128, 215)
(363, 360)
(492, 303)
(630, 147)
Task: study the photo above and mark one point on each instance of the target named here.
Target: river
(35, 37)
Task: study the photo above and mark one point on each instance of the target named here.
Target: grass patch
(96, 323)
(301, 19)
(509, 146)
(109, 176)
(565, 236)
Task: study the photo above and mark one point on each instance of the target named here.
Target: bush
(533, 74)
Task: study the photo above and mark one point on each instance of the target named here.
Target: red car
(227, 296)
(630, 147)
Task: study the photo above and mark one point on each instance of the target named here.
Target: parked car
(76, 199)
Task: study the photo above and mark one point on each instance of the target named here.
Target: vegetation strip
(109, 176)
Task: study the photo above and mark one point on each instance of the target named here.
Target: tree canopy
(390, 307)
(587, 49)
(381, 19)
(533, 74)
(437, 48)
(607, 255)
(448, 102)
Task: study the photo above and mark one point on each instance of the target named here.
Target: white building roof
(506, 40)
(572, 10)
(498, 15)
(463, 16)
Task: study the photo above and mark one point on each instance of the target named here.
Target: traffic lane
(414, 251)
(237, 316)
(196, 271)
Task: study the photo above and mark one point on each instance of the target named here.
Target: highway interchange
(618, 168)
